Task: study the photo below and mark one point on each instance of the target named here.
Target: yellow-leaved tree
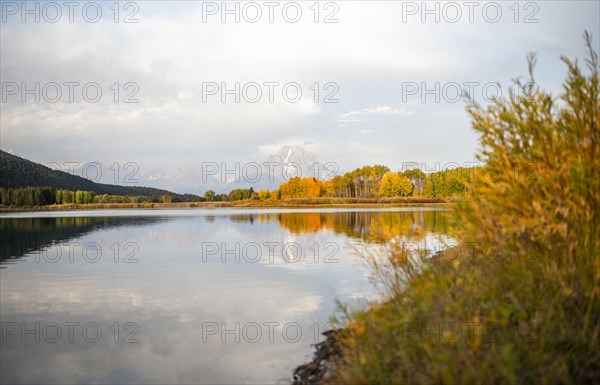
(301, 188)
(394, 185)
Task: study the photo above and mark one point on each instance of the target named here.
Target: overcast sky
(371, 61)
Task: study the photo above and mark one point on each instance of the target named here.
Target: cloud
(171, 53)
(356, 116)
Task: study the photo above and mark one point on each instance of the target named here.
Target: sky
(354, 82)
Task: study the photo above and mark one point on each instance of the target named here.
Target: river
(184, 296)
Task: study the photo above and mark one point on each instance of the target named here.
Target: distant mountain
(18, 172)
(193, 178)
(293, 161)
(189, 178)
(288, 162)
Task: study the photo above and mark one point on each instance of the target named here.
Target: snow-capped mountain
(195, 178)
(293, 161)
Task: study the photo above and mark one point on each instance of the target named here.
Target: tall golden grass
(519, 300)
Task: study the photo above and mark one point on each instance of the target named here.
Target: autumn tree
(301, 188)
(393, 185)
(210, 196)
(264, 194)
(417, 178)
(240, 194)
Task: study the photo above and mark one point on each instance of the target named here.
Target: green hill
(16, 172)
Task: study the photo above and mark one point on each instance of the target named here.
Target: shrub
(519, 300)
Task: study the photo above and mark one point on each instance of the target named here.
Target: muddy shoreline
(326, 356)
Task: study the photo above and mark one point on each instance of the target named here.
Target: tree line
(366, 182)
(42, 196)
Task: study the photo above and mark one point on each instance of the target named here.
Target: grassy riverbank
(250, 203)
(519, 300)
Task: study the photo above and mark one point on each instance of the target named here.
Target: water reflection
(24, 235)
(371, 226)
(210, 296)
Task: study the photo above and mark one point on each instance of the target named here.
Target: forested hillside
(16, 172)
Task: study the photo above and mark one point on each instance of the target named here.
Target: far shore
(249, 203)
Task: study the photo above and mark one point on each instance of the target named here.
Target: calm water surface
(183, 296)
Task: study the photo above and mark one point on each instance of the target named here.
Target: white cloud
(170, 53)
(360, 115)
